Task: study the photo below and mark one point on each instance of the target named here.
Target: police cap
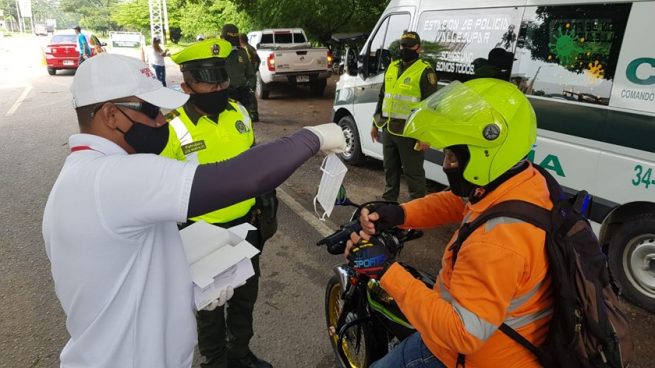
(230, 33)
(205, 60)
(410, 39)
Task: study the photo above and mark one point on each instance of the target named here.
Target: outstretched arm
(254, 172)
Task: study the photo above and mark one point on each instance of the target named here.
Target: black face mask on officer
(144, 138)
(408, 55)
(212, 103)
(458, 184)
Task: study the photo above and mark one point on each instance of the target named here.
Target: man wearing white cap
(109, 225)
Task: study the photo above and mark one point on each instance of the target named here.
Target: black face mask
(212, 103)
(458, 184)
(144, 138)
(408, 55)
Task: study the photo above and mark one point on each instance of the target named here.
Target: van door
(374, 62)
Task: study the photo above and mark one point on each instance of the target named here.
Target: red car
(61, 52)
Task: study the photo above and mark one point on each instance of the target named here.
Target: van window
(390, 30)
(472, 43)
(570, 52)
(267, 38)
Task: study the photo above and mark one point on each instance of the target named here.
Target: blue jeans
(410, 353)
(160, 71)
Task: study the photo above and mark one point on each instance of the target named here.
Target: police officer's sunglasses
(143, 107)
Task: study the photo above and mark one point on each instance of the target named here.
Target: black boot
(248, 361)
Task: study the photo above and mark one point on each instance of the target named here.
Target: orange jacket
(500, 276)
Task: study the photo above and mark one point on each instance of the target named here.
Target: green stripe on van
(601, 124)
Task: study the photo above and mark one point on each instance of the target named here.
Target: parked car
(62, 52)
(287, 57)
(127, 43)
(40, 29)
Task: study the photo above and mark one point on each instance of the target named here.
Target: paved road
(36, 119)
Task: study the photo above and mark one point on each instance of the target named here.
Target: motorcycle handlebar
(338, 239)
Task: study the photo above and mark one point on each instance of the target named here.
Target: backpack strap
(521, 210)
(517, 209)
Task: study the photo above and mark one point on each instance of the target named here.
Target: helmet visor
(455, 115)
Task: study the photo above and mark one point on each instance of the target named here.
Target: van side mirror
(350, 64)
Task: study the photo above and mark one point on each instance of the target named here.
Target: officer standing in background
(255, 60)
(239, 68)
(406, 83)
(210, 128)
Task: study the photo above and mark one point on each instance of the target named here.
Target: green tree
(95, 14)
(319, 18)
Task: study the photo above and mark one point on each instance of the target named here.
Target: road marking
(324, 228)
(20, 100)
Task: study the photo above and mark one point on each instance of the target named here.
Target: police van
(587, 67)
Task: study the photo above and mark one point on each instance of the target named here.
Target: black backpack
(587, 329)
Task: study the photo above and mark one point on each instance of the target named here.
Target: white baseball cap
(107, 77)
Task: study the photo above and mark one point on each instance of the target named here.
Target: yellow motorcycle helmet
(490, 116)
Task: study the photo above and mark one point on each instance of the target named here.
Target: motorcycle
(363, 321)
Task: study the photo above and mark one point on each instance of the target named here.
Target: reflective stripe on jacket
(500, 276)
(210, 142)
(402, 92)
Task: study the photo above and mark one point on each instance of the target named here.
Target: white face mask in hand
(333, 173)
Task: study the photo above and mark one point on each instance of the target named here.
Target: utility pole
(158, 15)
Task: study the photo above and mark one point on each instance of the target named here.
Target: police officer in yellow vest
(209, 128)
(406, 82)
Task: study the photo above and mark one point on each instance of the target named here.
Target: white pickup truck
(287, 57)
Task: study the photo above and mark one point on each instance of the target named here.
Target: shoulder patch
(432, 78)
(171, 115)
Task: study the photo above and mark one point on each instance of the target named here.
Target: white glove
(223, 296)
(331, 137)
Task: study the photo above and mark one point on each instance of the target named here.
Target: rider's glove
(370, 257)
(391, 215)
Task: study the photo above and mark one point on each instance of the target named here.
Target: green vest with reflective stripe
(401, 93)
(210, 142)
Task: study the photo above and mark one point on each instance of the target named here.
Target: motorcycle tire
(352, 354)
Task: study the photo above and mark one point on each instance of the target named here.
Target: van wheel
(318, 87)
(632, 260)
(52, 71)
(261, 90)
(353, 154)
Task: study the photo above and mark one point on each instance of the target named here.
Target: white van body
(127, 43)
(588, 68)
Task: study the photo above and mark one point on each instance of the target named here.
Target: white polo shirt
(117, 260)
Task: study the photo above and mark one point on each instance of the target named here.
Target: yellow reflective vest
(401, 92)
(209, 142)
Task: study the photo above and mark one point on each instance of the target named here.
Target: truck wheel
(318, 87)
(632, 260)
(261, 90)
(353, 154)
(52, 71)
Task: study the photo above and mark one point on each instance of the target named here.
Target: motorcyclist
(486, 128)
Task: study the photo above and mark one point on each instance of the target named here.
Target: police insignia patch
(215, 49)
(407, 80)
(241, 126)
(432, 78)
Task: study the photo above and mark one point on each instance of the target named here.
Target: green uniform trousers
(226, 331)
(399, 156)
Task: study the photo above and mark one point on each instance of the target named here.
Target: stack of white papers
(217, 258)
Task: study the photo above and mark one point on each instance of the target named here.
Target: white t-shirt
(155, 57)
(118, 264)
